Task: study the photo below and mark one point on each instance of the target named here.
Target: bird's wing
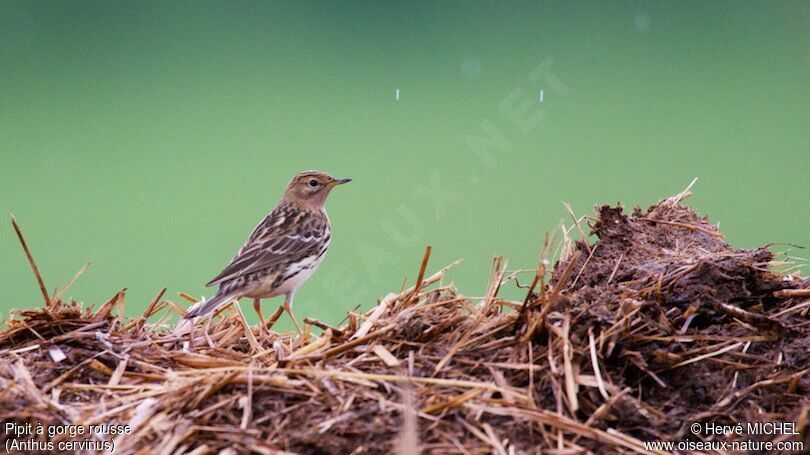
(281, 236)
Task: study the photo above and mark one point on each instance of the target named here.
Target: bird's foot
(295, 322)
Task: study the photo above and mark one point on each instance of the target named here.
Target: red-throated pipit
(282, 251)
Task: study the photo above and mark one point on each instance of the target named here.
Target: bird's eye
(313, 183)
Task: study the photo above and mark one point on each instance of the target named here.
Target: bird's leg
(288, 299)
(257, 305)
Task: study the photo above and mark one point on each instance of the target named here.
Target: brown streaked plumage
(282, 251)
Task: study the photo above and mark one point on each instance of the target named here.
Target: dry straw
(656, 325)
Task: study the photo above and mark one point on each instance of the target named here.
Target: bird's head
(310, 188)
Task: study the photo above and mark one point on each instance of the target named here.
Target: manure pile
(653, 327)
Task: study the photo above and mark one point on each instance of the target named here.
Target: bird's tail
(201, 308)
(206, 306)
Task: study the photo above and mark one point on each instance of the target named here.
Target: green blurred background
(150, 137)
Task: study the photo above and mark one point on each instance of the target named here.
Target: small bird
(282, 252)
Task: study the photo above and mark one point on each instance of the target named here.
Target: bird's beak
(340, 181)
